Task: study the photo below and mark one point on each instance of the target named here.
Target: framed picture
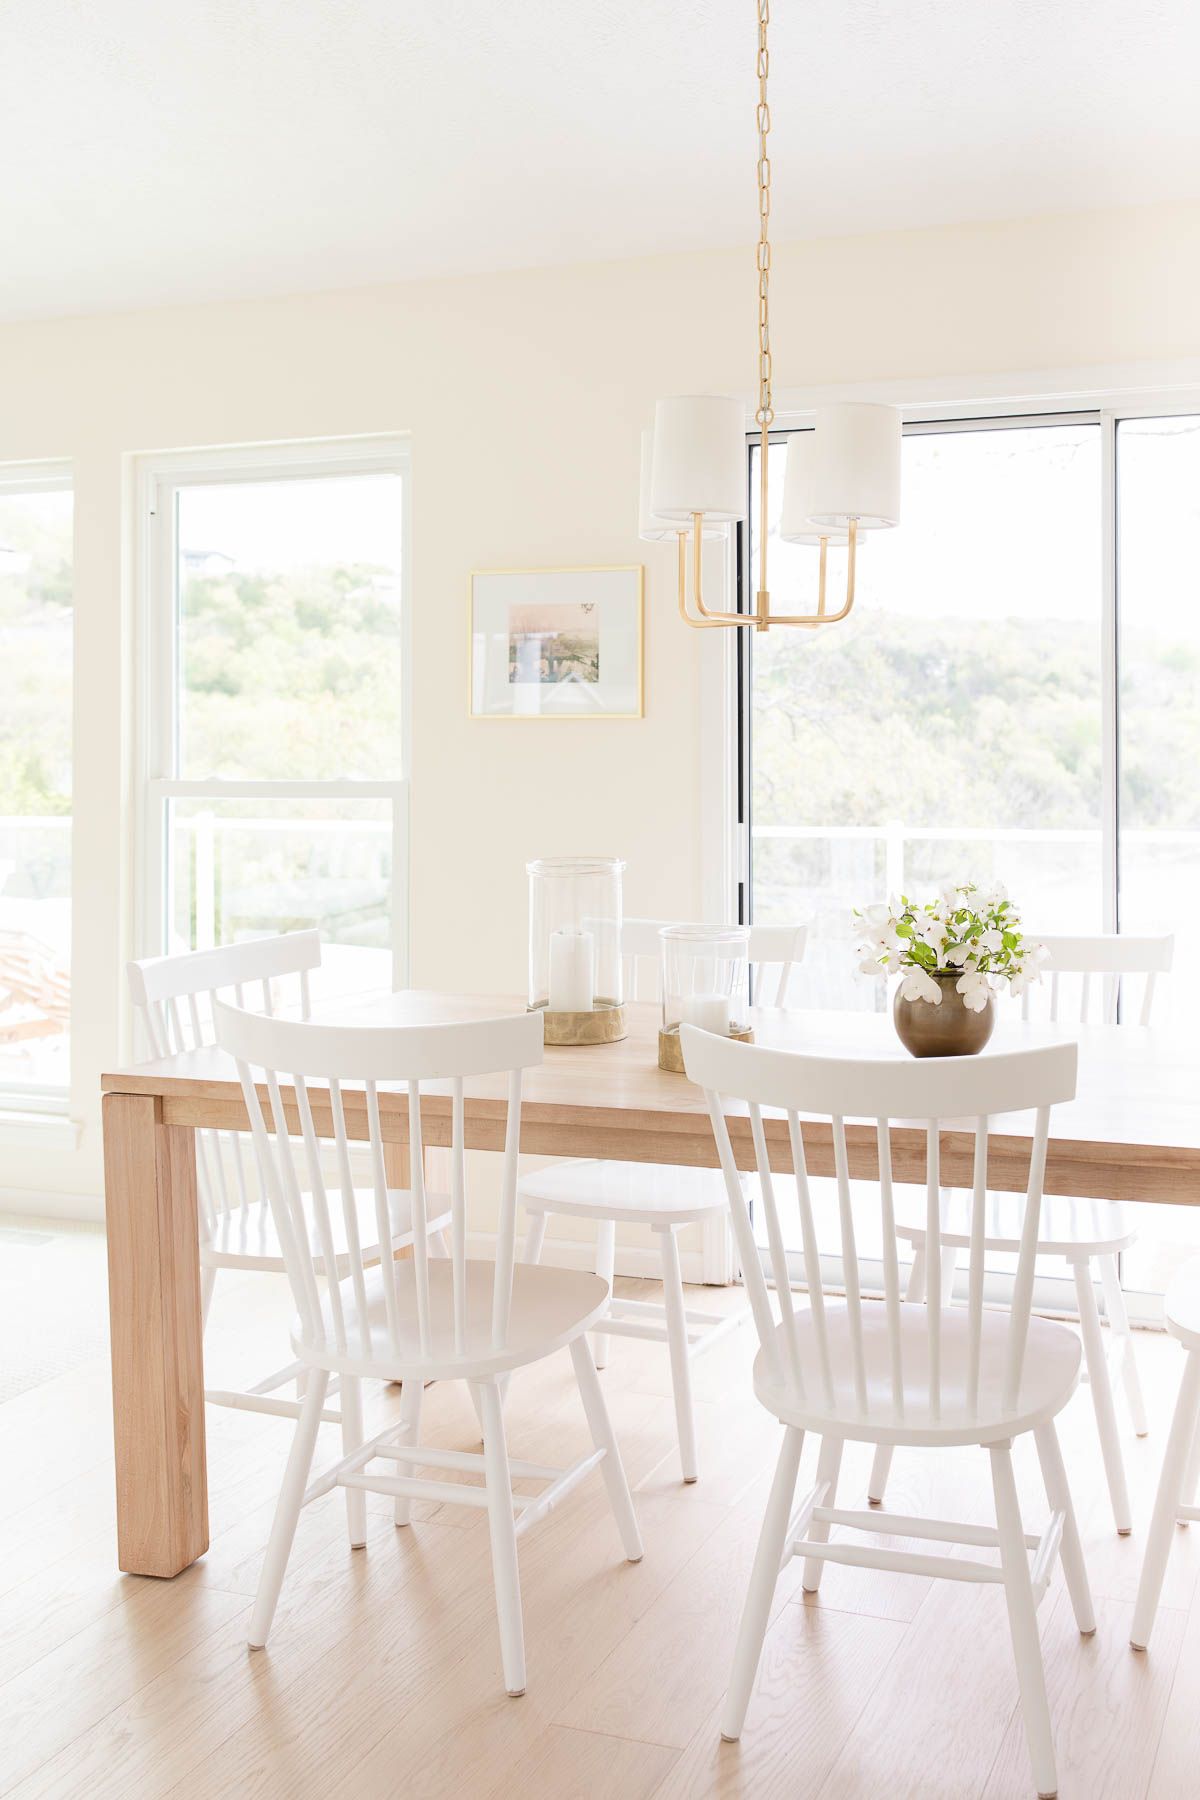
(557, 643)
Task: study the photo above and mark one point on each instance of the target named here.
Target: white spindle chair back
(744, 1076)
(1112, 956)
(775, 950)
(303, 1066)
(173, 1001)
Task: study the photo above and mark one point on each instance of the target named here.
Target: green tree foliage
(954, 722)
(292, 676)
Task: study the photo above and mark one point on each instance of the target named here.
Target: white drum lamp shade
(795, 521)
(855, 467)
(699, 463)
(651, 528)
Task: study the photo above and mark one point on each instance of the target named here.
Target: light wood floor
(382, 1676)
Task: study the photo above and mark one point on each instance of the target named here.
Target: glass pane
(289, 629)
(951, 727)
(247, 868)
(1158, 484)
(35, 792)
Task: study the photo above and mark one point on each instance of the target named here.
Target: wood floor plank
(1106, 1704)
(937, 1716)
(583, 1765)
(1176, 1771)
(62, 1695)
(174, 1725)
(426, 1697)
(817, 1672)
(662, 1684)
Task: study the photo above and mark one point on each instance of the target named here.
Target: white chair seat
(1182, 1304)
(1067, 1226)
(246, 1238)
(1050, 1374)
(550, 1307)
(641, 1193)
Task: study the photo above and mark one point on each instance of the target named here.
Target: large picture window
(953, 724)
(275, 725)
(36, 635)
(1016, 696)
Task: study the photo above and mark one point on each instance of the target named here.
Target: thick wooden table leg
(157, 1357)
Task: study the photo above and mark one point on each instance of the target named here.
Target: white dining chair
(1089, 1234)
(173, 1000)
(424, 1319)
(654, 1195)
(1175, 1501)
(897, 1371)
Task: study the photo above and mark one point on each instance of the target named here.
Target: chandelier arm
(685, 615)
(707, 615)
(822, 616)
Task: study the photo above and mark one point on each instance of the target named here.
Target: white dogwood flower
(975, 989)
(917, 985)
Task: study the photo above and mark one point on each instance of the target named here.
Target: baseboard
(41, 1203)
(577, 1253)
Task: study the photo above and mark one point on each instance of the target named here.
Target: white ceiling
(168, 150)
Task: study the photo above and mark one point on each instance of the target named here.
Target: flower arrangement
(970, 933)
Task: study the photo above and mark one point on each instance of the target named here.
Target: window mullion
(1110, 805)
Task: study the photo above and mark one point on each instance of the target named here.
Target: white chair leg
(606, 1257)
(1191, 1476)
(604, 1438)
(1022, 1622)
(1167, 1501)
(828, 1464)
(1102, 1400)
(208, 1281)
(439, 1245)
(287, 1510)
(352, 1438)
(410, 1418)
(505, 1572)
(757, 1610)
(677, 1341)
(881, 1466)
(949, 1264)
(1058, 1493)
(1118, 1324)
(535, 1237)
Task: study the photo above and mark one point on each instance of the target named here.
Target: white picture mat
(501, 599)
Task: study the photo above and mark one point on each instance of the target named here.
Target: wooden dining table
(1132, 1133)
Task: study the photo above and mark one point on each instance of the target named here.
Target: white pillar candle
(572, 971)
(710, 1011)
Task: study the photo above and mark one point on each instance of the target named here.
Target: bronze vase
(950, 1029)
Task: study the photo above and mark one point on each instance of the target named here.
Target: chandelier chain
(766, 411)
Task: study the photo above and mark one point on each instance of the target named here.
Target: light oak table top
(1131, 1133)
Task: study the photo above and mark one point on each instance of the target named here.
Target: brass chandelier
(842, 479)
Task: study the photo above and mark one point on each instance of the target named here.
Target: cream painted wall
(523, 395)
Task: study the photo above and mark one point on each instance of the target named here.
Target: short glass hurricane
(705, 982)
(575, 971)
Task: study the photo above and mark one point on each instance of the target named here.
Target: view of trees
(291, 675)
(35, 654)
(956, 722)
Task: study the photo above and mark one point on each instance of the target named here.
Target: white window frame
(1003, 401)
(157, 481)
(38, 1102)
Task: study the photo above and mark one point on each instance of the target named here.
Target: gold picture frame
(557, 643)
